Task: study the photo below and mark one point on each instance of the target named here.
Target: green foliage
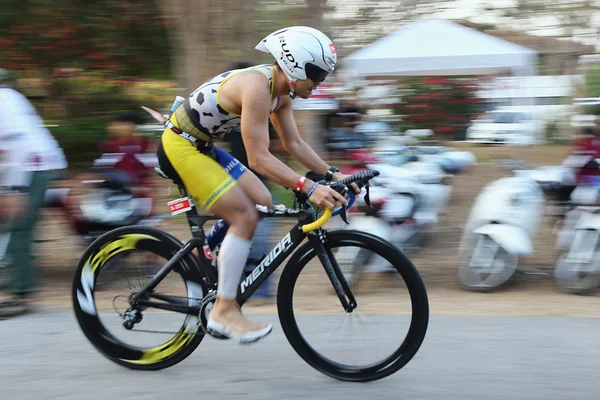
(123, 37)
(88, 96)
(551, 132)
(91, 101)
(80, 138)
(83, 61)
(592, 80)
(442, 104)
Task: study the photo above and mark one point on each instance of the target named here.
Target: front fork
(318, 239)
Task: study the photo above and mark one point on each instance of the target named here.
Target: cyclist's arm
(284, 123)
(256, 104)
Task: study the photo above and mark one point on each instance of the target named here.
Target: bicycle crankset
(208, 303)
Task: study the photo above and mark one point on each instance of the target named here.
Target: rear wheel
(113, 268)
(391, 316)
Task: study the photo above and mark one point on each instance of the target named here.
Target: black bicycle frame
(269, 263)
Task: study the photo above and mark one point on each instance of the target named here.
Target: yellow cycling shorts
(205, 179)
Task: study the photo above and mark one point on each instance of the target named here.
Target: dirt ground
(529, 294)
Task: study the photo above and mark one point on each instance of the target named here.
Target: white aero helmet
(301, 52)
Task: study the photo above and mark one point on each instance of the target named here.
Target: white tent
(440, 47)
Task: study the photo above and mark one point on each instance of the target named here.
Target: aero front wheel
(113, 268)
(378, 337)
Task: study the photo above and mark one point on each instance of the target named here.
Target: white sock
(232, 259)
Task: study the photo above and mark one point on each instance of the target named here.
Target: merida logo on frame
(281, 247)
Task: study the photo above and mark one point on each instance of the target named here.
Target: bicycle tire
(418, 295)
(115, 242)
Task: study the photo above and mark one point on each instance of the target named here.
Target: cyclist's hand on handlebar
(326, 197)
(338, 176)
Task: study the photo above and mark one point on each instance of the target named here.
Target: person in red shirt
(589, 146)
(122, 140)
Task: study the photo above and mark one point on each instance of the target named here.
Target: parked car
(508, 127)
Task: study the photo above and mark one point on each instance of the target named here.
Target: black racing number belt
(200, 144)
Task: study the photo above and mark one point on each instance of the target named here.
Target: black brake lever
(343, 215)
(367, 197)
(343, 191)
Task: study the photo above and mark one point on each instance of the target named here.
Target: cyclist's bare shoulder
(241, 88)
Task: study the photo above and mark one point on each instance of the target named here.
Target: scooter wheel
(578, 278)
(489, 278)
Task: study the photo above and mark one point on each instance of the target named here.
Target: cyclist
(247, 98)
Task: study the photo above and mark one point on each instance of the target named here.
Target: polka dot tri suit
(187, 153)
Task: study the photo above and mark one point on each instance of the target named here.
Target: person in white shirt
(30, 159)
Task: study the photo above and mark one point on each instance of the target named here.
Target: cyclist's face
(305, 87)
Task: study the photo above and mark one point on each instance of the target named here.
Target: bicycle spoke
(126, 276)
(360, 320)
(360, 337)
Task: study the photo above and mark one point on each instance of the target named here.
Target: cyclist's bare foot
(227, 319)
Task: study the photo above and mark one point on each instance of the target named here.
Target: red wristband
(300, 183)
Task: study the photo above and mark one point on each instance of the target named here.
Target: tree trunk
(188, 22)
(208, 35)
(315, 12)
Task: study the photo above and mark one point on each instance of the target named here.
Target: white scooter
(578, 268)
(395, 151)
(500, 227)
(406, 203)
(391, 217)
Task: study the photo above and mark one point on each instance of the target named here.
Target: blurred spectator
(352, 115)
(590, 143)
(123, 140)
(593, 130)
(343, 134)
(589, 146)
(348, 115)
(31, 158)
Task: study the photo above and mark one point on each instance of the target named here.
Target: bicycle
(199, 275)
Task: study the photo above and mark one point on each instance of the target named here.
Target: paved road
(45, 356)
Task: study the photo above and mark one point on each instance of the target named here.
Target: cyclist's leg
(249, 182)
(258, 193)
(216, 190)
(239, 211)
(255, 189)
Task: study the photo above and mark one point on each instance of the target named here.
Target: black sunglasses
(315, 74)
